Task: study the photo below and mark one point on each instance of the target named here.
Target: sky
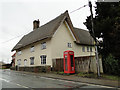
(17, 16)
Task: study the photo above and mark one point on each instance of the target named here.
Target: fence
(82, 64)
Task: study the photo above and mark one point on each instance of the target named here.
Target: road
(13, 79)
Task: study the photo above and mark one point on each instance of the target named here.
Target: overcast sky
(17, 16)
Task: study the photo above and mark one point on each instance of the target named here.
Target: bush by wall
(111, 65)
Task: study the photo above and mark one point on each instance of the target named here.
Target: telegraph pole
(93, 35)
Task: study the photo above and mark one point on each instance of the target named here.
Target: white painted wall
(26, 54)
(59, 43)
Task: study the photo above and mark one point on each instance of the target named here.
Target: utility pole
(93, 35)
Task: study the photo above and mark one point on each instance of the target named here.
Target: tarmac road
(11, 79)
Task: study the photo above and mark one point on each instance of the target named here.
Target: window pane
(87, 48)
(19, 61)
(83, 49)
(66, 67)
(43, 59)
(19, 52)
(69, 45)
(32, 49)
(71, 58)
(90, 49)
(31, 60)
(43, 45)
(25, 62)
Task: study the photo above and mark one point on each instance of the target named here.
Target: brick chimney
(36, 24)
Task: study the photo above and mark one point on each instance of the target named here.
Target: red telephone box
(69, 62)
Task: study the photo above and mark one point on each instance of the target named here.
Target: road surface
(12, 79)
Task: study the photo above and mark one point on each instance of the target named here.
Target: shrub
(111, 65)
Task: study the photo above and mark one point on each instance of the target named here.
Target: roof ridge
(62, 14)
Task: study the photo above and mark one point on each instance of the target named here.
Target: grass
(92, 75)
(88, 75)
(111, 77)
(4, 68)
(62, 73)
(103, 76)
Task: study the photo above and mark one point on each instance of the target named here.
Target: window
(43, 59)
(31, 60)
(25, 62)
(43, 45)
(69, 45)
(32, 49)
(19, 52)
(87, 48)
(90, 49)
(83, 48)
(66, 67)
(19, 62)
(71, 58)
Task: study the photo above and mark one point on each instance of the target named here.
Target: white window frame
(19, 62)
(32, 60)
(25, 62)
(43, 59)
(69, 45)
(32, 49)
(83, 48)
(43, 45)
(19, 52)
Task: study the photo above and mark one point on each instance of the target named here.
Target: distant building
(4, 66)
(1, 63)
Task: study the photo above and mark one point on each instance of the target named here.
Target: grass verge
(103, 76)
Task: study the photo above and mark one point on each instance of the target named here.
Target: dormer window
(32, 49)
(43, 45)
(19, 52)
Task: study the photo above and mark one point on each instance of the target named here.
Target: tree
(107, 26)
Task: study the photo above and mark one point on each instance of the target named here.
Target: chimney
(36, 24)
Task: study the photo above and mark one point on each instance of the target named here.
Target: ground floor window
(25, 62)
(43, 59)
(19, 61)
(31, 60)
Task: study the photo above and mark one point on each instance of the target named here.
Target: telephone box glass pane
(66, 63)
(71, 58)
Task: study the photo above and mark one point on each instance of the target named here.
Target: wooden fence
(58, 64)
(82, 64)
